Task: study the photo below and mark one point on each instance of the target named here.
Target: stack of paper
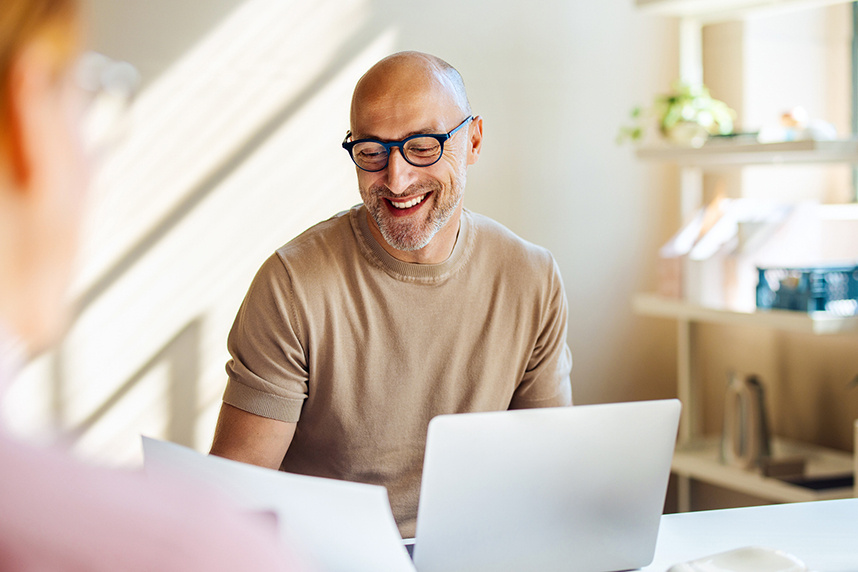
(341, 526)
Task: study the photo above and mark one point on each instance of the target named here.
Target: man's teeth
(408, 204)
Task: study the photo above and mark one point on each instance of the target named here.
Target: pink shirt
(57, 513)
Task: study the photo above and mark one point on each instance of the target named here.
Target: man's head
(414, 211)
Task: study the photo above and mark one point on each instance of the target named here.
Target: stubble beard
(409, 235)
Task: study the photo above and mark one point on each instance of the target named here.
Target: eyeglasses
(110, 87)
(419, 150)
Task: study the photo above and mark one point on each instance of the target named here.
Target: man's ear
(31, 82)
(476, 142)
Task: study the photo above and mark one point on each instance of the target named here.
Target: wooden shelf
(819, 323)
(711, 11)
(736, 153)
(700, 461)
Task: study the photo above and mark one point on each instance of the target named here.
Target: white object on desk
(822, 534)
(745, 559)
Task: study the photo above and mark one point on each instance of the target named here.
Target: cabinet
(697, 455)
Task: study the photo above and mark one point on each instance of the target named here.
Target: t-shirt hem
(261, 403)
(561, 399)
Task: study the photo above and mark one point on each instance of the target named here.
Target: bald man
(356, 333)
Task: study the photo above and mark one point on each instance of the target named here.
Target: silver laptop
(575, 488)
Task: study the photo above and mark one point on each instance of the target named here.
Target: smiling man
(356, 333)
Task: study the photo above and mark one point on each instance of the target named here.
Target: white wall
(233, 149)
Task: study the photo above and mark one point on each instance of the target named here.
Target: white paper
(342, 526)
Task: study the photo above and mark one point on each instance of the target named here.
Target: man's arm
(546, 382)
(249, 438)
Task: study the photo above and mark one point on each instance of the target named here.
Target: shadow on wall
(181, 359)
(230, 152)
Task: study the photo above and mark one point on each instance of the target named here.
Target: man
(359, 331)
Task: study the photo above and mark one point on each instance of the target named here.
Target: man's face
(410, 205)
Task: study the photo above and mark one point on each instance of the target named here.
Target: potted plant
(687, 116)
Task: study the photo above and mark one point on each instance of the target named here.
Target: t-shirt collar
(407, 270)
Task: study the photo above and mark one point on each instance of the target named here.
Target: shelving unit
(700, 460)
(819, 323)
(738, 153)
(712, 11)
(697, 456)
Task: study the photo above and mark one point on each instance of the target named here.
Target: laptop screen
(572, 488)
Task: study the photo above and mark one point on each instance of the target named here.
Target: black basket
(831, 289)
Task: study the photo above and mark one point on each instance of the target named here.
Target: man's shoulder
(322, 239)
(498, 241)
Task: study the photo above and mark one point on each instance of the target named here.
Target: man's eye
(424, 150)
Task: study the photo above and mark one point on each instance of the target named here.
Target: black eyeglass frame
(440, 137)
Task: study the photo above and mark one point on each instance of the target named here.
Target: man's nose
(399, 171)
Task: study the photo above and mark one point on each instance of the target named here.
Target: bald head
(407, 78)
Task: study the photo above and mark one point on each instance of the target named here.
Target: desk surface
(823, 534)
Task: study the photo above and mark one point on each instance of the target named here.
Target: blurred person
(356, 333)
(57, 513)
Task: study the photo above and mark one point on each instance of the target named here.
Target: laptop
(575, 488)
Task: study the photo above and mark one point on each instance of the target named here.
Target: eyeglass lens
(110, 86)
(420, 151)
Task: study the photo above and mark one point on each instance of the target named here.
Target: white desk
(823, 534)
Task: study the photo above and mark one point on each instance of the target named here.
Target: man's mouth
(403, 205)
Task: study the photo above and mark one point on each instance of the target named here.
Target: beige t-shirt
(362, 350)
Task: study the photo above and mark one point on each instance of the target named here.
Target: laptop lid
(571, 488)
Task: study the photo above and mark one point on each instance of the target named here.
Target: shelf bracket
(690, 427)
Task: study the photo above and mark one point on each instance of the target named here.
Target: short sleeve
(267, 369)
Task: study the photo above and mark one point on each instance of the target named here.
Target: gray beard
(405, 237)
